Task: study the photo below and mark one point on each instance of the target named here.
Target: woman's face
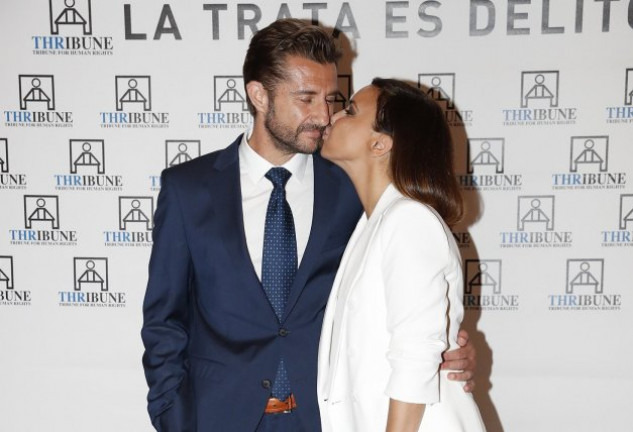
(350, 136)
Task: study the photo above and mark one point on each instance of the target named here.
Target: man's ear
(258, 95)
(381, 145)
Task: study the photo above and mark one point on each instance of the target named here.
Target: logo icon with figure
(90, 274)
(6, 273)
(628, 87)
(229, 90)
(589, 153)
(41, 210)
(485, 155)
(133, 90)
(70, 15)
(626, 211)
(4, 155)
(179, 151)
(539, 88)
(584, 275)
(440, 87)
(38, 90)
(344, 93)
(535, 213)
(136, 213)
(87, 155)
(481, 276)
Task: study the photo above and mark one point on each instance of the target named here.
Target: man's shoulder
(205, 164)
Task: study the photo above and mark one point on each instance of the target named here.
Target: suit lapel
(326, 196)
(225, 191)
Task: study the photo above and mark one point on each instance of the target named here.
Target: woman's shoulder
(407, 212)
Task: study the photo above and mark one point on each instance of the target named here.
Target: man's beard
(287, 140)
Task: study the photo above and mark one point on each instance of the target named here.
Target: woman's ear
(381, 145)
(258, 95)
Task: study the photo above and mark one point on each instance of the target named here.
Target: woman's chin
(325, 149)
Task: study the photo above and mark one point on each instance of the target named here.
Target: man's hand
(462, 359)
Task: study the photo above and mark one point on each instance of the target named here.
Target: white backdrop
(539, 96)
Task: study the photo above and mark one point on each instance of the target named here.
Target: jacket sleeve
(415, 256)
(165, 314)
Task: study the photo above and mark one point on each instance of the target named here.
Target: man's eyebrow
(312, 92)
(304, 92)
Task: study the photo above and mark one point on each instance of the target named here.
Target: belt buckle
(289, 402)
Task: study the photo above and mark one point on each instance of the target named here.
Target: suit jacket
(212, 340)
(396, 305)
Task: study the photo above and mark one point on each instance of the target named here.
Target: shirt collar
(256, 166)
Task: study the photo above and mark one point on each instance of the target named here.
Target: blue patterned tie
(279, 263)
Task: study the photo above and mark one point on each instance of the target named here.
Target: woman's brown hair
(422, 153)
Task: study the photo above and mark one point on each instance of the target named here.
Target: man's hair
(421, 159)
(266, 55)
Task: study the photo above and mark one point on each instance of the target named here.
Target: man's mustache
(311, 127)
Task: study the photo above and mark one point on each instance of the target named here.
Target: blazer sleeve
(415, 256)
(165, 317)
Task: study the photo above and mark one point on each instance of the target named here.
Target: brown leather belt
(276, 406)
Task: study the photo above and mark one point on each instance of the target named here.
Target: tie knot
(278, 176)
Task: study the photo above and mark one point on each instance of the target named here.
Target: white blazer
(395, 306)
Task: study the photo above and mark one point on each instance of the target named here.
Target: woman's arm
(415, 255)
(404, 417)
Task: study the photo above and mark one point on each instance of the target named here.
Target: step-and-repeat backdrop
(97, 97)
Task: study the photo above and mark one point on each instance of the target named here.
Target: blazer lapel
(326, 368)
(348, 276)
(326, 195)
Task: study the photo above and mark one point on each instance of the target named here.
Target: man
(246, 246)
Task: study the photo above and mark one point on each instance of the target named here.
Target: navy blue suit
(212, 340)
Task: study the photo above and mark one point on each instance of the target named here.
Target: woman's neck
(370, 185)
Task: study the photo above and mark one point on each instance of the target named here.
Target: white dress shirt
(256, 190)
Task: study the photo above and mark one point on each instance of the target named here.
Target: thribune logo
(71, 32)
(483, 287)
(91, 286)
(463, 239)
(133, 103)
(584, 288)
(623, 236)
(623, 113)
(176, 152)
(9, 179)
(87, 168)
(37, 104)
(588, 166)
(485, 167)
(441, 88)
(9, 295)
(42, 224)
(136, 221)
(535, 225)
(230, 107)
(540, 102)
(179, 151)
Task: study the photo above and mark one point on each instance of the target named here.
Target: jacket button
(266, 383)
(283, 332)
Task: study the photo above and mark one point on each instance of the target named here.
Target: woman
(396, 301)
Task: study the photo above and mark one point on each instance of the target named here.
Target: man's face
(300, 107)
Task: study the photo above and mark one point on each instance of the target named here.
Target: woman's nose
(337, 115)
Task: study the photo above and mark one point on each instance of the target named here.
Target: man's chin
(309, 146)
